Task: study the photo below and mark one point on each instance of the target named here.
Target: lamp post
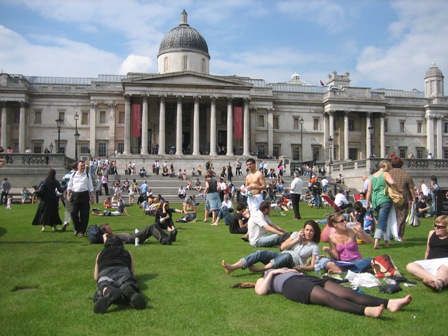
(301, 122)
(371, 130)
(59, 122)
(51, 147)
(76, 117)
(330, 155)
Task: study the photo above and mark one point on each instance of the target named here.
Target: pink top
(349, 251)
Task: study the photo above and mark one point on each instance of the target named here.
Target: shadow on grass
(3, 231)
(3, 242)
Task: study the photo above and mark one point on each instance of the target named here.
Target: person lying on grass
(434, 269)
(297, 250)
(308, 289)
(151, 230)
(344, 247)
(114, 274)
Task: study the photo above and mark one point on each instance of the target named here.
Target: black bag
(40, 191)
(94, 235)
(390, 289)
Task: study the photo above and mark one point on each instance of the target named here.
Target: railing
(31, 159)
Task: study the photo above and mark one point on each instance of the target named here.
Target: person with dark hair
(308, 289)
(259, 225)
(115, 276)
(297, 250)
(405, 183)
(238, 222)
(295, 193)
(6, 187)
(48, 211)
(212, 201)
(433, 189)
(152, 230)
(164, 215)
(254, 187)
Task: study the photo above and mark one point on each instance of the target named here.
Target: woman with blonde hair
(380, 201)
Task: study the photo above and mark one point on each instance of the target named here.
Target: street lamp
(76, 117)
(371, 130)
(51, 147)
(330, 156)
(59, 122)
(301, 122)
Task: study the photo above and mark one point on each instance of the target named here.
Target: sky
(381, 43)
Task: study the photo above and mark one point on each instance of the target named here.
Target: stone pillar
(144, 150)
(196, 130)
(92, 135)
(382, 136)
(346, 134)
(229, 127)
(213, 126)
(331, 124)
(368, 137)
(270, 125)
(162, 143)
(179, 126)
(246, 131)
(326, 133)
(127, 125)
(430, 134)
(22, 128)
(439, 138)
(3, 140)
(112, 121)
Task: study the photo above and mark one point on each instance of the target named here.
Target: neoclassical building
(185, 110)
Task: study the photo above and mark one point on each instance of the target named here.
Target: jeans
(269, 240)
(278, 259)
(383, 213)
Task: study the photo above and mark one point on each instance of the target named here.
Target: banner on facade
(238, 122)
(136, 119)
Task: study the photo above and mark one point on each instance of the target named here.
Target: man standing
(255, 185)
(295, 194)
(80, 192)
(6, 187)
(365, 185)
(259, 225)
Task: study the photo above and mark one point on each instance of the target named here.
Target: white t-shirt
(296, 186)
(256, 226)
(340, 199)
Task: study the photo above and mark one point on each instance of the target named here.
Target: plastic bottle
(316, 264)
(137, 243)
(350, 225)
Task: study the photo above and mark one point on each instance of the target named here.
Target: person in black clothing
(238, 222)
(151, 230)
(48, 212)
(164, 216)
(115, 276)
(423, 207)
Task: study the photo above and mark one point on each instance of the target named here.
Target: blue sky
(381, 43)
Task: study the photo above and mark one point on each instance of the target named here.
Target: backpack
(94, 234)
(383, 266)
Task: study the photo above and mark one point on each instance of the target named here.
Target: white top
(425, 189)
(296, 186)
(80, 182)
(340, 199)
(228, 204)
(255, 226)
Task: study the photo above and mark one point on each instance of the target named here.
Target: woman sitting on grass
(189, 210)
(344, 247)
(434, 269)
(297, 250)
(308, 289)
(114, 274)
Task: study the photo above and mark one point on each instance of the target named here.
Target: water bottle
(136, 238)
(317, 264)
(350, 225)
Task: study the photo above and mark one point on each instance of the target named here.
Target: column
(92, 135)
(229, 127)
(112, 122)
(127, 125)
(144, 150)
(22, 128)
(325, 117)
(430, 134)
(196, 130)
(368, 137)
(179, 126)
(271, 131)
(346, 135)
(246, 147)
(439, 138)
(213, 126)
(3, 139)
(382, 136)
(331, 124)
(162, 143)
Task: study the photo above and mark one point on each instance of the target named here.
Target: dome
(183, 38)
(433, 71)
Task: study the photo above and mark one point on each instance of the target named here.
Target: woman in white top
(226, 207)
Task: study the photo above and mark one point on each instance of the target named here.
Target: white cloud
(136, 63)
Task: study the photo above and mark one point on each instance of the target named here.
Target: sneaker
(64, 227)
(138, 301)
(104, 303)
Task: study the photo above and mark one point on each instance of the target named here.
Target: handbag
(396, 197)
(383, 266)
(40, 192)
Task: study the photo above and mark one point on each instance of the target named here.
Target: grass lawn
(189, 293)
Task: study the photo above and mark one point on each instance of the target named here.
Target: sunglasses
(341, 220)
(440, 227)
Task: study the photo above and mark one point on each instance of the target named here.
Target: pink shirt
(349, 251)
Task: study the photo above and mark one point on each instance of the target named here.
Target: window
(316, 124)
(296, 123)
(445, 127)
(295, 152)
(445, 153)
(402, 152)
(102, 117)
(261, 120)
(102, 148)
(419, 127)
(261, 150)
(38, 119)
(203, 66)
(120, 147)
(121, 118)
(185, 63)
(402, 126)
(37, 147)
(275, 123)
(420, 151)
(62, 116)
(276, 151)
(351, 125)
(316, 153)
(84, 148)
(386, 126)
(165, 64)
(85, 118)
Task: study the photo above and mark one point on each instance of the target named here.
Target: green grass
(189, 293)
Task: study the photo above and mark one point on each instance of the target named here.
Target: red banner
(136, 119)
(238, 122)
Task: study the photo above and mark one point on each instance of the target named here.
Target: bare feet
(227, 267)
(214, 224)
(436, 285)
(375, 312)
(396, 304)
(388, 244)
(377, 247)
